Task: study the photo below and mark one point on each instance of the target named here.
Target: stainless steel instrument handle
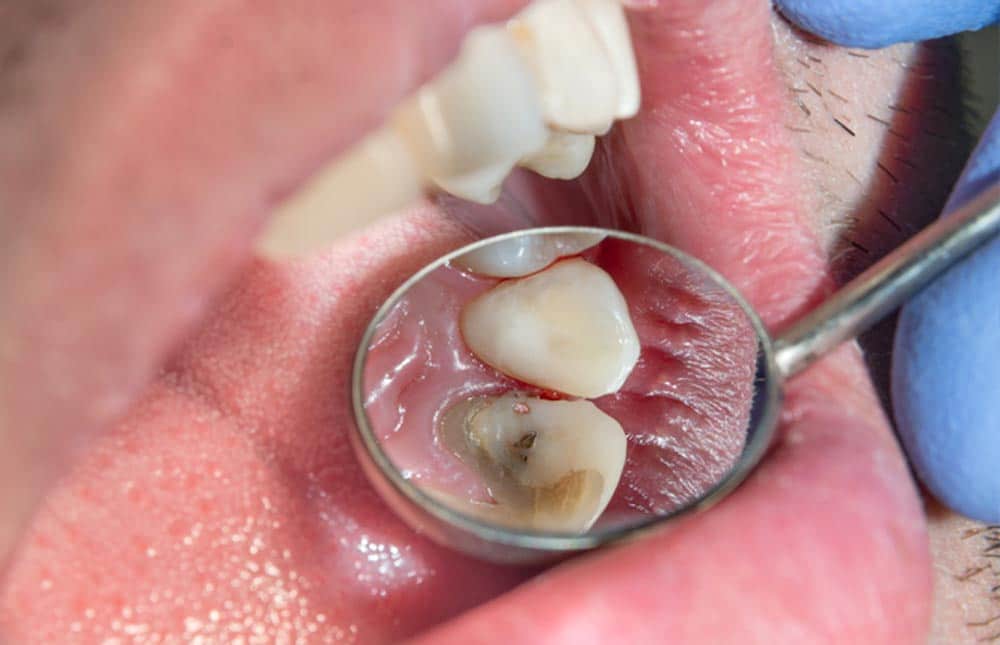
(887, 284)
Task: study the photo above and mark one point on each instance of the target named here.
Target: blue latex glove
(877, 23)
(946, 366)
(946, 362)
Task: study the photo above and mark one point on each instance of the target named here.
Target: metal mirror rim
(430, 516)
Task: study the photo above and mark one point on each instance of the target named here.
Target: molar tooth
(527, 93)
(566, 328)
(550, 465)
(481, 112)
(607, 17)
(578, 84)
(565, 156)
(525, 254)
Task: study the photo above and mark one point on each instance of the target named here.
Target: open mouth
(500, 378)
(226, 504)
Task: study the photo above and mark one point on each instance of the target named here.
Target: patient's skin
(143, 145)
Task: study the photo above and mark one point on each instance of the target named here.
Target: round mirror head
(555, 389)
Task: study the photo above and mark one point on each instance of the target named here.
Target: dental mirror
(553, 390)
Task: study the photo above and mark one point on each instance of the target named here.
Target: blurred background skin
(969, 603)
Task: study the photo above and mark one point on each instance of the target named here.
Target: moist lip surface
(236, 456)
(684, 407)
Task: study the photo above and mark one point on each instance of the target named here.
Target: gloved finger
(877, 23)
(946, 366)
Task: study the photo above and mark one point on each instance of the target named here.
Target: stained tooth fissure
(565, 156)
(554, 468)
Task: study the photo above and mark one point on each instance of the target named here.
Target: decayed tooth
(607, 17)
(481, 112)
(578, 84)
(566, 328)
(525, 254)
(565, 156)
(550, 465)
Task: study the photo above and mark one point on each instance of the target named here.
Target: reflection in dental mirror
(519, 256)
(549, 465)
(562, 382)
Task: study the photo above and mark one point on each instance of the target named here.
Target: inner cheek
(684, 408)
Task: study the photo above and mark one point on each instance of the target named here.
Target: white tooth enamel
(481, 112)
(481, 186)
(525, 254)
(565, 156)
(378, 176)
(608, 19)
(550, 465)
(566, 328)
(578, 83)
(527, 93)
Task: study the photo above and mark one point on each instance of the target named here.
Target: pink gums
(417, 367)
(684, 408)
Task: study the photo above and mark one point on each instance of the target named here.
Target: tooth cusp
(566, 328)
(565, 156)
(481, 186)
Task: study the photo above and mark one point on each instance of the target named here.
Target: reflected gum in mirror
(681, 406)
